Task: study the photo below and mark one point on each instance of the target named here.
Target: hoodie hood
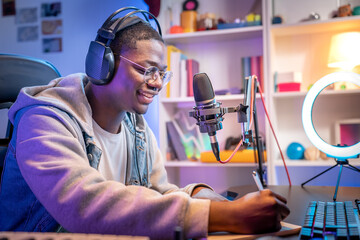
(65, 93)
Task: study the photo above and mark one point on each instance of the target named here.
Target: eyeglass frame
(152, 80)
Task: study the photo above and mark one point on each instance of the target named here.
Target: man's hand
(256, 212)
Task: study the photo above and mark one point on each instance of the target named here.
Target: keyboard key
(305, 233)
(350, 215)
(330, 223)
(329, 237)
(317, 233)
(354, 233)
(341, 233)
(340, 215)
(319, 217)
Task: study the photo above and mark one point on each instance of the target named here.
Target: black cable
(136, 155)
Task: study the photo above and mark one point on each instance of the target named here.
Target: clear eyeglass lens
(167, 77)
(151, 74)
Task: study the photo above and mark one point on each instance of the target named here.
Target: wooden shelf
(317, 163)
(201, 164)
(332, 93)
(220, 98)
(342, 24)
(214, 35)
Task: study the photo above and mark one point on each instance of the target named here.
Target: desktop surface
(299, 197)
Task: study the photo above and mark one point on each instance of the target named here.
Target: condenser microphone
(207, 111)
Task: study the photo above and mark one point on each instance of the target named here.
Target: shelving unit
(317, 163)
(343, 24)
(215, 35)
(304, 47)
(287, 47)
(170, 164)
(219, 53)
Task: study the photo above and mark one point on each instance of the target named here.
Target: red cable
(272, 129)
(233, 153)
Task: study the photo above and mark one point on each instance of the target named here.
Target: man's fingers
(281, 198)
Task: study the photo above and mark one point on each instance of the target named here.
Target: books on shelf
(177, 83)
(175, 141)
(184, 137)
(192, 67)
(170, 49)
(253, 65)
(183, 69)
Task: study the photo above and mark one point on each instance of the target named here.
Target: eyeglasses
(151, 74)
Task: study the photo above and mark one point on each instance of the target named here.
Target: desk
(63, 236)
(298, 197)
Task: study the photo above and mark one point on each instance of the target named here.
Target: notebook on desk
(287, 229)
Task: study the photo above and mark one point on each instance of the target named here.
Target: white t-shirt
(114, 153)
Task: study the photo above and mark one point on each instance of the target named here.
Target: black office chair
(16, 72)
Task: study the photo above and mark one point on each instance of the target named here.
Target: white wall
(292, 12)
(81, 20)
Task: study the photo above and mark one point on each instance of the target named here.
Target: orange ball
(176, 29)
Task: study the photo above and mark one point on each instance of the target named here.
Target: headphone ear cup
(100, 63)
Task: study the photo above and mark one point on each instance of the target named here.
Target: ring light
(341, 152)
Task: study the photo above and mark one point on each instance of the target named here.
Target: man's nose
(156, 83)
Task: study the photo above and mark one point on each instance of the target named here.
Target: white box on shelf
(289, 77)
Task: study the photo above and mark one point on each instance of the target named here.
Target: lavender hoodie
(49, 153)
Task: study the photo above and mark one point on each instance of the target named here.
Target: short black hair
(127, 38)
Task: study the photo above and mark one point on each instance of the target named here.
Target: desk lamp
(340, 153)
(345, 51)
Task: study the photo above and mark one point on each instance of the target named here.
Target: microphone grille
(203, 89)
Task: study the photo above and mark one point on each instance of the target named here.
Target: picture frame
(347, 132)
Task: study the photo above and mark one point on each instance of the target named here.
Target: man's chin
(141, 110)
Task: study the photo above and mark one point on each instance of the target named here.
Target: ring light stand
(339, 153)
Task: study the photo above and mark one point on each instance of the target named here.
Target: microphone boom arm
(213, 124)
(209, 119)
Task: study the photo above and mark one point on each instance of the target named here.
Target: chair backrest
(16, 72)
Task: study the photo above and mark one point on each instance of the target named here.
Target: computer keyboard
(331, 220)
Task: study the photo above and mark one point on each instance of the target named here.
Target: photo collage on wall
(50, 29)
(26, 19)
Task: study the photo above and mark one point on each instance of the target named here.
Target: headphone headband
(121, 10)
(109, 33)
(139, 11)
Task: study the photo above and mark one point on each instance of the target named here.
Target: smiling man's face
(127, 91)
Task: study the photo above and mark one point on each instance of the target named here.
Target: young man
(82, 157)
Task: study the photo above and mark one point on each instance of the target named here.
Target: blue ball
(295, 151)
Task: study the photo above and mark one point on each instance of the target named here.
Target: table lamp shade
(345, 51)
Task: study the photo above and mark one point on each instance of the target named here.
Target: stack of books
(183, 69)
(253, 65)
